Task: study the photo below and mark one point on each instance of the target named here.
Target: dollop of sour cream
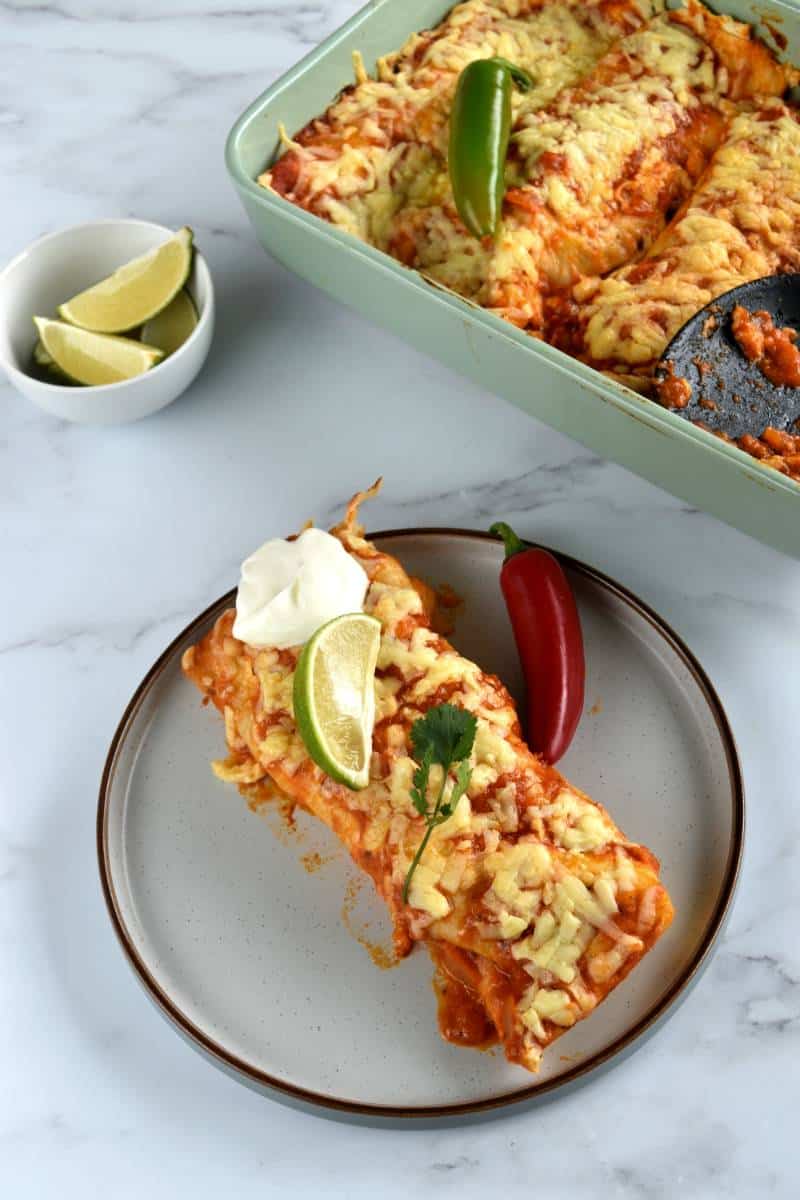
(288, 589)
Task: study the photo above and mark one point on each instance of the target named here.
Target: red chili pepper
(547, 631)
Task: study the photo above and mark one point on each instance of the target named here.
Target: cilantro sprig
(444, 736)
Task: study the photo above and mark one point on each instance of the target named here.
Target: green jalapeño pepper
(480, 124)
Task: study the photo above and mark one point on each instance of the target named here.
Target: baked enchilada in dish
(532, 902)
(637, 119)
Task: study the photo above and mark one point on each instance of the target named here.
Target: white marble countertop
(114, 538)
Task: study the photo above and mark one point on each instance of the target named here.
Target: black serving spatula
(730, 394)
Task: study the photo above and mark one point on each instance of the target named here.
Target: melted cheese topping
(591, 176)
(382, 145)
(742, 222)
(528, 873)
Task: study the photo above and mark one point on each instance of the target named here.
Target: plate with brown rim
(255, 936)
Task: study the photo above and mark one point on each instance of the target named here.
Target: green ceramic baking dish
(609, 418)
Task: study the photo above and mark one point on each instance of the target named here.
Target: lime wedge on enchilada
(135, 292)
(334, 697)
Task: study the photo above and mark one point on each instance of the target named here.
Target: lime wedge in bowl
(334, 696)
(136, 292)
(170, 328)
(41, 356)
(45, 368)
(93, 358)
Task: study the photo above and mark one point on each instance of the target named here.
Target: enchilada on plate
(533, 904)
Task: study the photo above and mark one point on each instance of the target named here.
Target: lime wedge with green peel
(136, 292)
(170, 328)
(41, 356)
(334, 696)
(94, 358)
(46, 368)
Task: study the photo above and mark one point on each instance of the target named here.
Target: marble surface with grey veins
(113, 538)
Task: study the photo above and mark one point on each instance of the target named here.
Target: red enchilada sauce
(462, 1016)
(773, 350)
(673, 390)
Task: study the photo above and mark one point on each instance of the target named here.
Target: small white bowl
(58, 266)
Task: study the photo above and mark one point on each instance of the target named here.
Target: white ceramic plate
(235, 925)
